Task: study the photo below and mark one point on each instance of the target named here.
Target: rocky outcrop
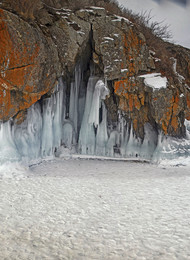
(34, 54)
(26, 69)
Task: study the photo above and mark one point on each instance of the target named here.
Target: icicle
(58, 118)
(74, 97)
(100, 93)
(187, 125)
(27, 135)
(102, 135)
(81, 103)
(8, 151)
(149, 143)
(86, 143)
(47, 129)
(113, 142)
(62, 87)
(169, 148)
(124, 134)
(69, 135)
(133, 145)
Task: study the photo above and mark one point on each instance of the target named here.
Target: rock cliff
(37, 50)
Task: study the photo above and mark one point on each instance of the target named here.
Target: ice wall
(41, 132)
(89, 141)
(79, 124)
(169, 148)
(8, 149)
(47, 126)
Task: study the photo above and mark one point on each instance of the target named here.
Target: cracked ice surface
(79, 209)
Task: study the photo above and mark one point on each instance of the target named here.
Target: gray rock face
(109, 46)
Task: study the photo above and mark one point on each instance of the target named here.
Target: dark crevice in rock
(111, 103)
(19, 67)
(75, 26)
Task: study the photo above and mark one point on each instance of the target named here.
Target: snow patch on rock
(154, 80)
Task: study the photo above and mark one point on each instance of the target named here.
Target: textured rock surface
(26, 70)
(35, 54)
(33, 57)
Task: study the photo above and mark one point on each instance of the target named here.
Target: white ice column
(112, 143)
(149, 143)
(47, 127)
(28, 135)
(69, 134)
(102, 134)
(133, 146)
(58, 112)
(89, 142)
(100, 93)
(86, 143)
(52, 124)
(8, 150)
(74, 97)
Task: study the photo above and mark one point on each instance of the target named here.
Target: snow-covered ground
(92, 209)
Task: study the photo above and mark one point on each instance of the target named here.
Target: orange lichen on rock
(166, 117)
(170, 117)
(187, 112)
(120, 86)
(131, 51)
(174, 123)
(137, 103)
(142, 98)
(18, 62)
(175, 112)
(125, 88)
(164, 127)
(135, 124)
(131, 103)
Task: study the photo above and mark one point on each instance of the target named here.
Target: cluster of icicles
(50, 127)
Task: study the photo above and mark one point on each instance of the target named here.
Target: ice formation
(79, 123)
(169, 148)
(8, 149)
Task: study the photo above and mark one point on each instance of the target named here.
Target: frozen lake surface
(90, 209)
